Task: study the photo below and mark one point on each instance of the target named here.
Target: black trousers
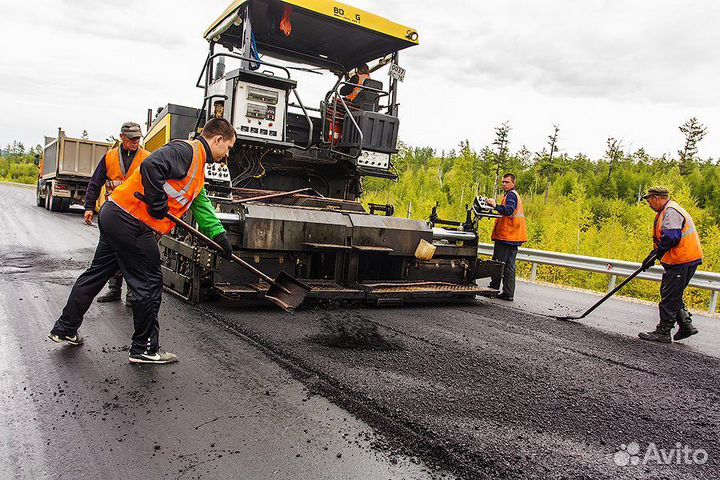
(672, 287)
(505, 254)
(130, 246)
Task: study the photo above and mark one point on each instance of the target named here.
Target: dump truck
(66, 166)
(290, 194)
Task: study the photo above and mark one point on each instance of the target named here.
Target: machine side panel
(282, 228)
(400, 234)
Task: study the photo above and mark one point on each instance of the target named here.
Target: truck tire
(39, 200)
(65, 204)
(53, 204)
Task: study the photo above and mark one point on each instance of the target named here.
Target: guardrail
(613, 268)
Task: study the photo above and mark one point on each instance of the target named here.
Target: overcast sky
(634, 70)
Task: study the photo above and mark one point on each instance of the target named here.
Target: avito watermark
(632, 454)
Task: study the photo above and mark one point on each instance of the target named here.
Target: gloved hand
(158, 213)
(222, 240)
(649, 261)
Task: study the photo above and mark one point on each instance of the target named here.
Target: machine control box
(217, 173)
(260, 111)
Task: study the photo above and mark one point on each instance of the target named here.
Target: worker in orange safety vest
(676, 244)
(509, 233)
(351, 92)
(113, 169)
(170, 180)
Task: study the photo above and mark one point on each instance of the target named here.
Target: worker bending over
(112, 170)
(677, 247)
(509, 233)
(171, 180)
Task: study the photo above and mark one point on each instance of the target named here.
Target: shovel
(285, 291)
(610, 294)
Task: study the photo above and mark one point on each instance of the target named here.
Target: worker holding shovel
(677, 246)
(171, 181)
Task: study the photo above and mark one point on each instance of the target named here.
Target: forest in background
(17, 163)
(573, 204)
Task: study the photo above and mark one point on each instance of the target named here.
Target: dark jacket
(172, 162)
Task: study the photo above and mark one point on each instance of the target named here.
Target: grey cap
(657, 191)
(131, 130)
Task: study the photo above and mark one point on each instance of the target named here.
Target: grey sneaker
(72, 340)
(158, 357)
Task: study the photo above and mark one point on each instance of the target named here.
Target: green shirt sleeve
(204, 214)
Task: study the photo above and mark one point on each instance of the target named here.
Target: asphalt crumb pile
(354, 331)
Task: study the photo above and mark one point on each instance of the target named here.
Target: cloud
(634, 70)
(630, 51)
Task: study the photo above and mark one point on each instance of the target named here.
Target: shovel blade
(287, 292)
(571, 317)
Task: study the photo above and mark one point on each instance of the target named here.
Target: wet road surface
(479, 390)
(226, 410)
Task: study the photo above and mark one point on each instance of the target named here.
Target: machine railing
(613, 268)
(334, 94)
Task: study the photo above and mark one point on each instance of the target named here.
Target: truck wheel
(65, 204)
(47, 197)
(39, 200)
(53, 204)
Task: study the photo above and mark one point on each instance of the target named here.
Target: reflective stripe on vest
(356, 91)
(115, 167)
(511, 228)
(181, 193)
(689, 249)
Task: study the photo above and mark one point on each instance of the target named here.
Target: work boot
(158, 357)
(506, 297)
(111, 296)
(687, 329)
(661, 334)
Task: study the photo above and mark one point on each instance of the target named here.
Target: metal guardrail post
(611, 285)
(533, 272)
(713, 301)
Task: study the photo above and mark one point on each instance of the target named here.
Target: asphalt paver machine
(290, 194)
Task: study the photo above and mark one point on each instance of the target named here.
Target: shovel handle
(611, 293)
(213, 244)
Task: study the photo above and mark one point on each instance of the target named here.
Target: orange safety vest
(514, 227)
(115, 167)
(356, 91)
(180, 193)
(689, 249)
